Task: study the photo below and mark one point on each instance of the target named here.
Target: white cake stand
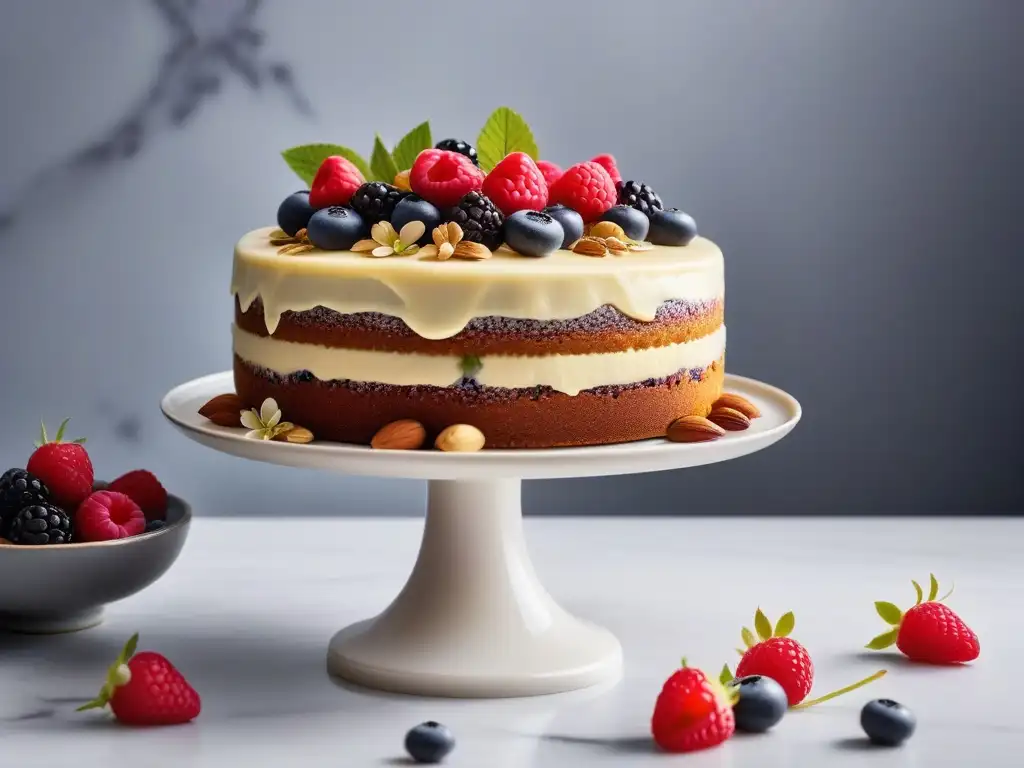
(473, 620)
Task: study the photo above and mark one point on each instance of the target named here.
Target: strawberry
(142, 487)
(336, 180)
(64, 467)
(929, 631)
(145, 689)
(692, 712)
(608, 163)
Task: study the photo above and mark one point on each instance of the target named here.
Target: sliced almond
(615, 245)
(729, 419)
(590, 246)
(401, 435)
(466, 249)
(741, 404)
(607, 229)
(299, 435)
(693, 429)
(460, 438)
(227, 402)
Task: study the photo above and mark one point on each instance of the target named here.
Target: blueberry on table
(415, 208)
(533, 233)
(571, 221)
(429, 742)
(887, 723)
(294, 212)
(633, 222)
(761, 703)
(671, 227)
(336, 228)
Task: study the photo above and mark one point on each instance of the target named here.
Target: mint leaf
(884, 640)
(471, 365)
(785, 625)
(306, 159)
(382, 165)
(762, 625)
(414, 142)
(890, 613)
(504, 132)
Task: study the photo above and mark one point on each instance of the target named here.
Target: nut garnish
(445, 237)
(223, 410)
(299, 435)
(590, 246)
(460, 438)
(401, 435)
(470, 251)
(741, 404)
(729, 419)
(266, 423)
(693, 429)
(402, 181)
(291, 245)
(607, 229)
(615, 245)
(639, 245)
(385, 241)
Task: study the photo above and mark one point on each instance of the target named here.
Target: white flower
(387, 242)
(265, 424)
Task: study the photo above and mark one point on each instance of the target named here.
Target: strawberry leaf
(933, 590)
(306, 159)
(785, 625)
(741, 652)
(884, 640)
(762, 625)
(919, 591)
(504, 132)
(748, 638)
(129, 649)
(890, 613)
(64, 425)
(726, 676)
(410, 145)
(943, 598)
(382, 165)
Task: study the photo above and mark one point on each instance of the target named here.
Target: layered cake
(479, 286)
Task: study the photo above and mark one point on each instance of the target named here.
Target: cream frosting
(437, 299)
(565, 373)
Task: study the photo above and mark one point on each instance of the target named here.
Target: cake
(545, 308)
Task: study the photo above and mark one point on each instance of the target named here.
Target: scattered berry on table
(633, 223)
(375, 201)
(772, 653)
(19, 489)
(108, 515)
(671, 226)
(639, 196)
(294, 212)
(155, 525)
(572, 222)
(415, 208)
(929, 631)
(887, 723)
(550, 171)
(692, 713)
(480, 220)
(760, 704)
(142, 487)
(608, 163)
(146, 689)
(335, 182)
(457, 145)
(40, 524)
(429, 742)
(516, 184)
(532, 233)
(586, 188)
(443, 177)
(64, 467)
(336, 228)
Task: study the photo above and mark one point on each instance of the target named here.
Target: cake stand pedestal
(473, 620)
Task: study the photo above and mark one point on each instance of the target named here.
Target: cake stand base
(473, 620)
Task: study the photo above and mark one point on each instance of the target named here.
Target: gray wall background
(859, 161)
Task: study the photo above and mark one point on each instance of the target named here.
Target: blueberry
(533, 233)
(294, 212)
(336, 228)
(887, 722)
(761, 703)
(415, 208)
(672, 227)
(572, 222)
(429, 742)
(633, 222)
(155, 525)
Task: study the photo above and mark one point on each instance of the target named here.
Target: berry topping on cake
(294, 212)
(516, 184)
(429, 742)
(480, 220)
(533, 233)
(587, 189)
(671, 227)
(375, 201)
(572, 223)
(444, 177)
(692, 713)
(460, 146)
(335, 182)
(64, 467)
(142, 487)
(19, 489)
(549, 171)
(40, 524)
(608, 163)
(634, 224)
(108, 515)
(336, 228)
(639, 196)
(412, 208)
(887, 723)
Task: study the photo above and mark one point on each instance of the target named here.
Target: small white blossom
(387, 242)
(266, 423)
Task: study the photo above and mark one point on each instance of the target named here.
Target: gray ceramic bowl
(63, 588)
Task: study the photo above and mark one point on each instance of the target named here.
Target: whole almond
(224, 403)
(401, 435)
(467, 249)
(729, 419)
(299, 435)
(590, 246)
(693, 429)
(741, 404)
(226, 418)
(460, 438)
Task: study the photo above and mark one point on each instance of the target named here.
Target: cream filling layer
(565, 373)
(436, 299)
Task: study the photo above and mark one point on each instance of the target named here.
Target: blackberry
(480, 220)
(375, 201)
(39, 524)
(19, 489)
(457, 145)
(638, 195)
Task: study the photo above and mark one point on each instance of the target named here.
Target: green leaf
(919, 591)
(890, 613)
(414, 142)
(726, 676)
(762, 625)
(785, 625)
(94, 704)
(129, 649)
(933, 590)
(382, 165)
(741, 652)
(884, 640)
(64, 425)
(306, 159)
(504, 132)
(471, 365)
(748, 637)
(945, 596)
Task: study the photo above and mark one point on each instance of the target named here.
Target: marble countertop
(248, 610)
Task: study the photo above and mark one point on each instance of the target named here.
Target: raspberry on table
(516, 184)
(442, 177)
(587, 189)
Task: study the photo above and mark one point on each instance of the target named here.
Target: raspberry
(516, 184)
(442, 177)
(64, 467)
(785, 661)
(335, 182)
(549, 171)
(108, 515)
(142, 487)
(608, 163)
(691, 713)
(587, 189)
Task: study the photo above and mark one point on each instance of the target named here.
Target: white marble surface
(248, 610)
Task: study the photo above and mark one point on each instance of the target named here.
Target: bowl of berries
(69, 545)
